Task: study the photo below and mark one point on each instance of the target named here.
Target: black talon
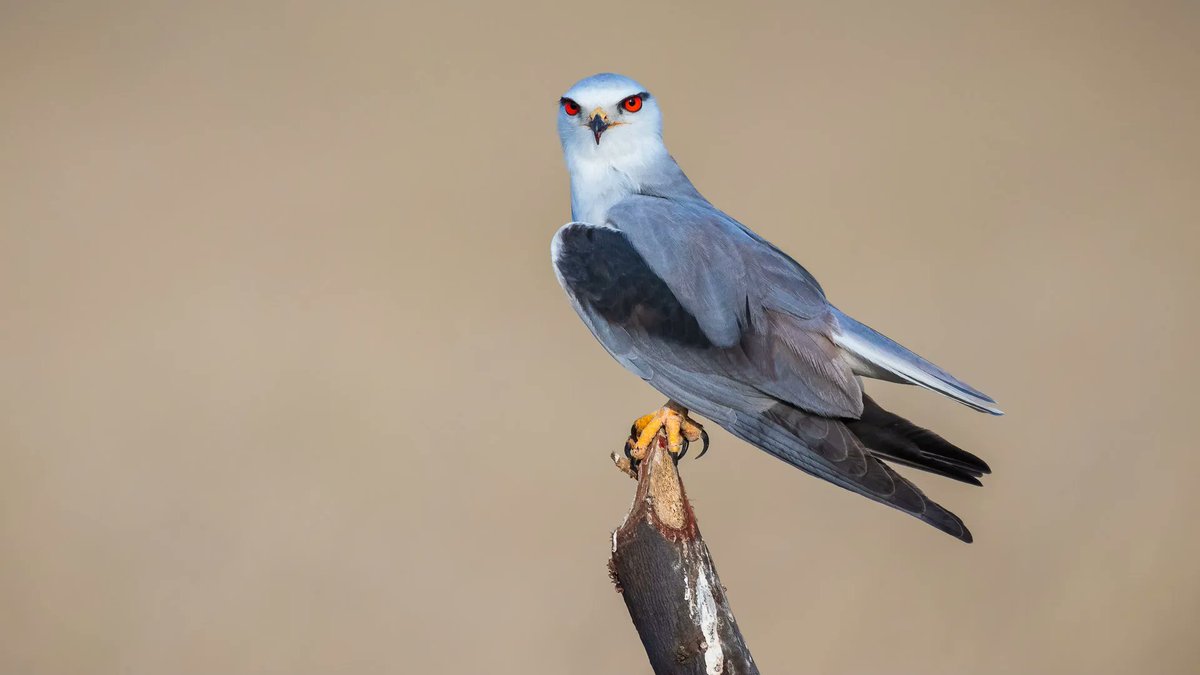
(682, 451)
(703, 437)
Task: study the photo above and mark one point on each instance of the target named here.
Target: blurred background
(287, 384)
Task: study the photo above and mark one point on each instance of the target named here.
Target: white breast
(595, 188)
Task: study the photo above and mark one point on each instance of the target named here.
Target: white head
(612, 120)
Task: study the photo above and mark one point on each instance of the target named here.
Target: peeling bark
(663, 570)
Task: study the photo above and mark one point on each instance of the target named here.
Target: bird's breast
(595, 189)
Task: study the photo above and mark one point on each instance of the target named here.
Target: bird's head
(610, 118)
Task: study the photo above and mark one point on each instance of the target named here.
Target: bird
(728, 326)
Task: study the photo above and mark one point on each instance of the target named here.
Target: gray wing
(714, 264)
(747, 296)
(875, 355)
(729, 278)
(776, 383)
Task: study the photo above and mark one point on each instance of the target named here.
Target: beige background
(287, 384)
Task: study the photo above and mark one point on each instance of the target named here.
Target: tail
(899, 441)
(826, 448)
(876, 355)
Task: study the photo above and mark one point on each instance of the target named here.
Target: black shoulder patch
(607, 275)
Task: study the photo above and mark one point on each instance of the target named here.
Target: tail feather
(826, 448)
(899, 441)
(876, 355)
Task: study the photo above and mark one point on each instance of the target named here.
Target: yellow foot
(680, 431)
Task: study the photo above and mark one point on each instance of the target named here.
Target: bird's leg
(679, 430)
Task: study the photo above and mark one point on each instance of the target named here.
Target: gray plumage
(727, 325)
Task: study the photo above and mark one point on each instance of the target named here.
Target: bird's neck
(599, 182)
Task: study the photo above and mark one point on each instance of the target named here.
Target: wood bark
(664, 572)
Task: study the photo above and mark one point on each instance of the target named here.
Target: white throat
(599, 180)
(595, 188)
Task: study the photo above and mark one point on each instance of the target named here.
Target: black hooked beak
(597, 125)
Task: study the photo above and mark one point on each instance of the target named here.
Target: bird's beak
(598, 123)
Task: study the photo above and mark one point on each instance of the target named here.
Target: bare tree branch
(663, 569)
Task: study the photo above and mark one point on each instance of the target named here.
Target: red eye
(632, 104)
(570, 107)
